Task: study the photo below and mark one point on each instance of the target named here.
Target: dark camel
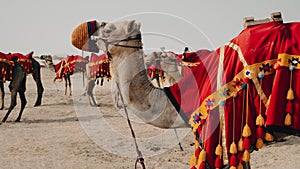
(17, 84)
(36, 74)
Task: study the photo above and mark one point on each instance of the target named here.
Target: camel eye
(107, 31)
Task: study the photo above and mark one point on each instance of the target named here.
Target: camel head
(107, 36)
(123, 34)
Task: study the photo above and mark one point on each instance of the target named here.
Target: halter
(134, 38)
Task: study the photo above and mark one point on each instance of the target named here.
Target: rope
(140, 158)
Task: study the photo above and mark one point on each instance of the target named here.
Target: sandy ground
(65, 132)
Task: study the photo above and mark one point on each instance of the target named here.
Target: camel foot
(18, 120)
(95, 105)
(37, 104)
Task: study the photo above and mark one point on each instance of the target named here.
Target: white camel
(122, 42)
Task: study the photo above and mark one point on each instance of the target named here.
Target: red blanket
(225, 89)
(71, 64)
(6, 64)
(99, 67)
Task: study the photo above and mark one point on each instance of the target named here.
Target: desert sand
(66, 133)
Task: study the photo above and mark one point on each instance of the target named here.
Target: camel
(245, 70)
(36, 74)
(98, 68)
(64, 69)
(18, 82)
(167, 63)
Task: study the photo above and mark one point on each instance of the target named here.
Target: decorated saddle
(240, 93)
(70, 65)
(99, 67)
(6, 64)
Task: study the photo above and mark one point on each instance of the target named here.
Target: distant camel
(163, 65)
(97, 68)
(14, 69)
(66, 67)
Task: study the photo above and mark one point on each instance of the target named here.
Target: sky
(45, 27)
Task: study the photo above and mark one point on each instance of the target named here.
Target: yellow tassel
(232, 167)
(246, 131)
(240, 145)
(233, 149)
(193, 160)
(259, 143)
(269, 137)
(246, 156)
(288, 120)
(290, 94)
(197, 144)
(202, 156)
(219, 150)
(240, 166)
(260, 121)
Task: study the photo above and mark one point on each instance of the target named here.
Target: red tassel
(260, 132)
(246, 143)
(233, 160)
(202, 165)
(193, 167)
(197, 152)
(289, 107)
(218, 162)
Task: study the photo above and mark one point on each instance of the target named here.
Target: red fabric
(6, 64)
(71, 64)
(192, 57)
(99, 66)
(155, 72)
(257, 44)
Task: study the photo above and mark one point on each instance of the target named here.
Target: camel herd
(217, 94)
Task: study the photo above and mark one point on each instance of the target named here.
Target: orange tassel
(232, 167)
(202, 156)
(246, 156)
(219, 150)
(240, 145)
(240, 166)
(259, 143)
(269, 137)
(233, 149)
(193, 160)
(290, 94)
(246, 131)
(260, 121)
(288, 119)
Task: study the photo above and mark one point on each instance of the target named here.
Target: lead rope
(140, 158)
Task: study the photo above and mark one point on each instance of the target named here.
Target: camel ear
(133, 26)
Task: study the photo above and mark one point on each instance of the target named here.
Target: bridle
(134, 38)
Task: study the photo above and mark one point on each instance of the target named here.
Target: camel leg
(36, 74)
(70, 84)
(13, 103)
(66, 84)
(157, 81)
(91, 86)
(2, 95)
(23, 104)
